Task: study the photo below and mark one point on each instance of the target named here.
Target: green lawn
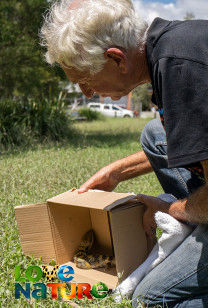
(36, 174)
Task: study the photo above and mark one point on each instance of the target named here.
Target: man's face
(108, 82)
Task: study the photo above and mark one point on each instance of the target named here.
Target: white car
(110, 110)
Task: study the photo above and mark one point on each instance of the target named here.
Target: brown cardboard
(128, 239)
(92, 276)
(100, 200)
(53, 230)
(35, 231)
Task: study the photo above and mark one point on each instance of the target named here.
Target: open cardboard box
(53, 231)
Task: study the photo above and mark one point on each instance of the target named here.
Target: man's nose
(86, 90)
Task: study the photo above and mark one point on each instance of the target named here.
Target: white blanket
(174, 232)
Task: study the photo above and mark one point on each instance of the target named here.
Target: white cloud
(172, 11)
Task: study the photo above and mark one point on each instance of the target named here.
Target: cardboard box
(53, 230)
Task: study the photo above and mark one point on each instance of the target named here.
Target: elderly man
(106, 48)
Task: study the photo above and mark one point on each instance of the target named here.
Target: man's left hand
(152, 205)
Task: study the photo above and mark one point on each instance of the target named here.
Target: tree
(189, 16)
(23, 71)
(142, 95)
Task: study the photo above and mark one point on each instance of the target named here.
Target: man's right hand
(123, 169)
(104, 179)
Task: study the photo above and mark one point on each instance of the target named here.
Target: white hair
(79, 37)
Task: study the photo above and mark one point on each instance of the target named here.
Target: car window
(106, 107)
(115, 108)
(95, 106)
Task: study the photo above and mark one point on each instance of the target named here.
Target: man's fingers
(85, 187)
(151, 233)
(136, 199)
(92, 183)
(148, 200)
(82, 190)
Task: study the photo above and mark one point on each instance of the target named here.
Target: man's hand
(152, 205)
(104, 179)
(123, 169)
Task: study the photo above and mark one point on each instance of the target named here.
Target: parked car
(110, 110)
(136, 113)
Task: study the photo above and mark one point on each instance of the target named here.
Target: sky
(171, 9)
(162, 1)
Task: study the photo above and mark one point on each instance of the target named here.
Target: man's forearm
(193, 209)
(131, 166)
(111, 175)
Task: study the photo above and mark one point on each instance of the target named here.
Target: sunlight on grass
(43, 171)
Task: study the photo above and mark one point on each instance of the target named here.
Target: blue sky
(162, 1)
(171, 9)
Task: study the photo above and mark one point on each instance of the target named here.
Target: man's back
(177, 54)
(180, 39)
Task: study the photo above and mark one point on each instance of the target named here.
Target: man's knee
(152, 131)
(143, 295)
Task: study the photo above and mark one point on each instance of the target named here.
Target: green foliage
(189, 16)
(23, 122)
(141, 94)
(23, 71)
(90, 114)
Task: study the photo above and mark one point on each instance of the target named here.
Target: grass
(35, 174)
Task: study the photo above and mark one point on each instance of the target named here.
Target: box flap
(100, 200)
(35, 231)
(129, 239)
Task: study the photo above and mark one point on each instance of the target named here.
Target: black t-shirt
(177, 55)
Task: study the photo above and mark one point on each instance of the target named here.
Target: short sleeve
(182, 87)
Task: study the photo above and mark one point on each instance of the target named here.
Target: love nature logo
(38, 290)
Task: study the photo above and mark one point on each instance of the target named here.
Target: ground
(35, 174)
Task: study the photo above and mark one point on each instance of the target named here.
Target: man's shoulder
(178, 39)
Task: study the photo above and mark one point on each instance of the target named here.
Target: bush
(22, 122)
(90, 114)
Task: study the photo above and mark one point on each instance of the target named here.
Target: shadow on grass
(78, 139)
(98, 139)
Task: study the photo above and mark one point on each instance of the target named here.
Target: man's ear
(119, 57)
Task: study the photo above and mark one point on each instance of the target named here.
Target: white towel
(174, 232)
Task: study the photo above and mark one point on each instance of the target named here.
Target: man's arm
(126, 168)
(131, 166)
(195, 207)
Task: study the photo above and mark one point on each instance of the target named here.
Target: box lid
(95, 199)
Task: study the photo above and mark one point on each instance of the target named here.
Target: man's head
(95, 42)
